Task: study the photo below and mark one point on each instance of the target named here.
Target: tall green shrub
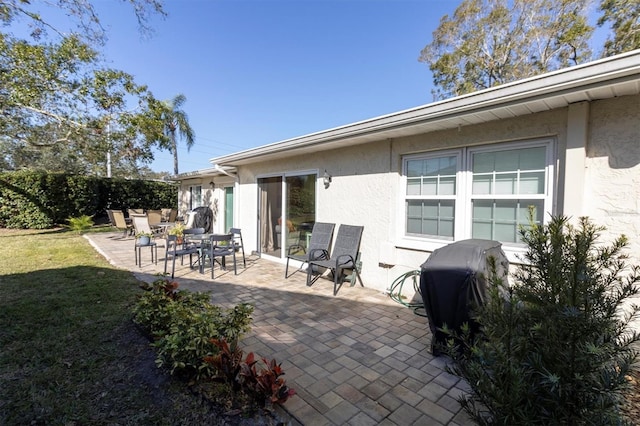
(556, 345)
(39, 200)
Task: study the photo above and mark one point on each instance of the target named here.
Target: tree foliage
(58, 101)
(556, 345)
(490, 42)
(176, 126)
(624, 18)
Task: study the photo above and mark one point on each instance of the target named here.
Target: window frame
(406, 197)
(464, 193)
(191, 197)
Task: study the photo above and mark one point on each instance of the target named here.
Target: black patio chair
(321, 236)
(345, 255)
(219, 246)
(238, 243)
(175, 249)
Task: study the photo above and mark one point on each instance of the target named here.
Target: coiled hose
(395, 291)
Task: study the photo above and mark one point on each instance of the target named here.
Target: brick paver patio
(357, 358)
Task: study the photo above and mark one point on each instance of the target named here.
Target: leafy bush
(39, 200)
(183, 324)
(556, 346)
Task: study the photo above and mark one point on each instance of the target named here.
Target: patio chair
(155, 216)
(238, 243)
(120, 222)
(141, 225)
(173, 215)
(321, 236)
(219, 246)
(131, 212)
(175, 249)
(345, 255)
(112, 221)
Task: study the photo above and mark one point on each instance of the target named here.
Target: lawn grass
(69, 352)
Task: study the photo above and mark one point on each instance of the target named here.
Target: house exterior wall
(214, 198)
(597, 173)
(612, 190)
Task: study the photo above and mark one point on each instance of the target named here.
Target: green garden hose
(395, 291)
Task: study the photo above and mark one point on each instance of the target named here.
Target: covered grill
(453, 281)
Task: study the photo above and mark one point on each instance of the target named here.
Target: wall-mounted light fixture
(326, 178)
(212, 185)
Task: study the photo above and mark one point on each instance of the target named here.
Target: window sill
(514, 253)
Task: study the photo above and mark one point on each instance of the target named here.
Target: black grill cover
(203, 218)
(453, 281)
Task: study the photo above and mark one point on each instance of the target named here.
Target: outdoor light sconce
(212, 185)
(326, 179)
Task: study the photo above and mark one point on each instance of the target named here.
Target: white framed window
(482, 192)
(195, 196)
(431, 192)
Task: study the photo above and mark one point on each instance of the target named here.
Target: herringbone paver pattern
(357, 358)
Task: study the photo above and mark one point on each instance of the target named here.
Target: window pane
(414, 208)
(533, 158)
(447, 186)
(413, 186)
(524, 207)
(414, 226)
(506, 210)
(482, 184)
(446, 228)
(430, 227)
(430, 208)
(431, 217)
(506, 183)
(430, 186)
(482, 209)
(483, 162)
(448, 165)
(507, 160)
(481, 230)
(432, 167)
(505, 232)
(414, 168)
(446, 209)
(532, 183)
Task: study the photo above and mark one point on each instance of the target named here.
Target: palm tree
(176, 122)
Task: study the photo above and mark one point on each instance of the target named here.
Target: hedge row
(40, 200)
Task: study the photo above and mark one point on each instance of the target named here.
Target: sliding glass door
(286, 221)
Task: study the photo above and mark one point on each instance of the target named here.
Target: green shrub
(183, 324)
(40, 200)
(556, 345)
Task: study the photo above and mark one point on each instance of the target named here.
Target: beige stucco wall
(612, 190)
(214, 198)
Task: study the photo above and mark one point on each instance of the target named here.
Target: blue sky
(261, 71)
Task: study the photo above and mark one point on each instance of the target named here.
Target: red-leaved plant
(263, 384)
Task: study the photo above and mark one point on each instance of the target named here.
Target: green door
(228, 208)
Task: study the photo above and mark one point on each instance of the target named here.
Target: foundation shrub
(556, 345)
(183, 323)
